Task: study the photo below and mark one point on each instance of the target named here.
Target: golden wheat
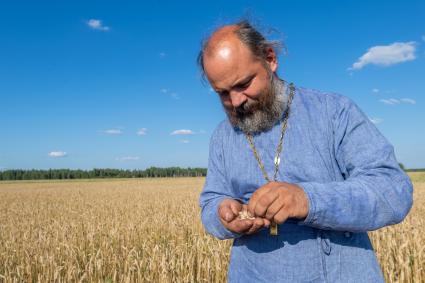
(146, 230)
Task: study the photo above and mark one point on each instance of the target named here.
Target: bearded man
(295, 176)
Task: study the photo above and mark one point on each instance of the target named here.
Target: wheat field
(146, 230)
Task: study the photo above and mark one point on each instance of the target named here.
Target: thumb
(236, 207)
(226, 212)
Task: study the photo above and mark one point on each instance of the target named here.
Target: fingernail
(227, 217)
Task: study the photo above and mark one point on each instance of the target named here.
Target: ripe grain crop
(146, 230)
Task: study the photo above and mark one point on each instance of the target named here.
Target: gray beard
(265, 117)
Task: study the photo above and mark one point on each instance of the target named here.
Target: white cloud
(97, 25)
(390, 101)
(376, 120)
(408, 100)
(172, 94)
(56, 154)
(128, 158)
(142, 132)
(182, 132)
(393, 101)
(113, 132)
(387, 55)
(175, 95)
(184, 141)
(375, 90)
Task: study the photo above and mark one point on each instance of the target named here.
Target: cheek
(227, 103)
(255, 90)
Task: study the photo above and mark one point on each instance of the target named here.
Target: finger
(264, 202)
(236, 207)
(274, 208)
(258, 224)
(266, 222)
(255, 197)
(281, 216)
(225, 211)
(240, 226)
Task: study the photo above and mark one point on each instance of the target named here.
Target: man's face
(247, 86)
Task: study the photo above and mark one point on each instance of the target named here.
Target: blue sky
(114, 84)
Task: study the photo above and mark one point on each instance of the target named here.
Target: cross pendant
(273, 229)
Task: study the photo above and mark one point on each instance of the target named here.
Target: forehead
(228, 63)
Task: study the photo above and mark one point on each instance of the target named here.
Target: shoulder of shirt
(222, 129)
(320, 95)
(219, 136)
(333, 101)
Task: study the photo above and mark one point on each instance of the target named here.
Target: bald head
(229, 39)
(222, 42)
(225, 49)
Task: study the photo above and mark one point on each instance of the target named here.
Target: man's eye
(244, 85)
(222, 93)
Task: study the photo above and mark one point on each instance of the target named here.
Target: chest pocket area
(307, 156)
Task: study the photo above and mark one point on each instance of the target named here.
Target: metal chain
(279, 147)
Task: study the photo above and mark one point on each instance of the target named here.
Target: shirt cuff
(311, 216)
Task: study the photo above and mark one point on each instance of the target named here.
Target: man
(336, 175)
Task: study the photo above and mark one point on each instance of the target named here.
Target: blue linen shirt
(348, 171)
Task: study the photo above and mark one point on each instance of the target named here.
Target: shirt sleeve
(375, 191)
(215, 190)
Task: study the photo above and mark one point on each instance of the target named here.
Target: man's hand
(278, 201)
(229, 215)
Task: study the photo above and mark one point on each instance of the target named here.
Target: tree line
(411, 170)
(151, 172)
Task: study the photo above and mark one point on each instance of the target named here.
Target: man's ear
(271, 59)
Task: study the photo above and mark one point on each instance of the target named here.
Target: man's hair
(249, 36)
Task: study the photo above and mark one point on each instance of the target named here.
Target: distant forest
(411, 170)
(415, 170)
(152, 172)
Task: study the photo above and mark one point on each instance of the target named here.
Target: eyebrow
(240, 82)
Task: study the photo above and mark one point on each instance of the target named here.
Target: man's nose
(237, 98)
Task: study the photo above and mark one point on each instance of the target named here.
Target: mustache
(245, 109)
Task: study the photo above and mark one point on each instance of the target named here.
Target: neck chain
(273, 226)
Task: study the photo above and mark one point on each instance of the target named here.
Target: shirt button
(326, 246)
(347, 234)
